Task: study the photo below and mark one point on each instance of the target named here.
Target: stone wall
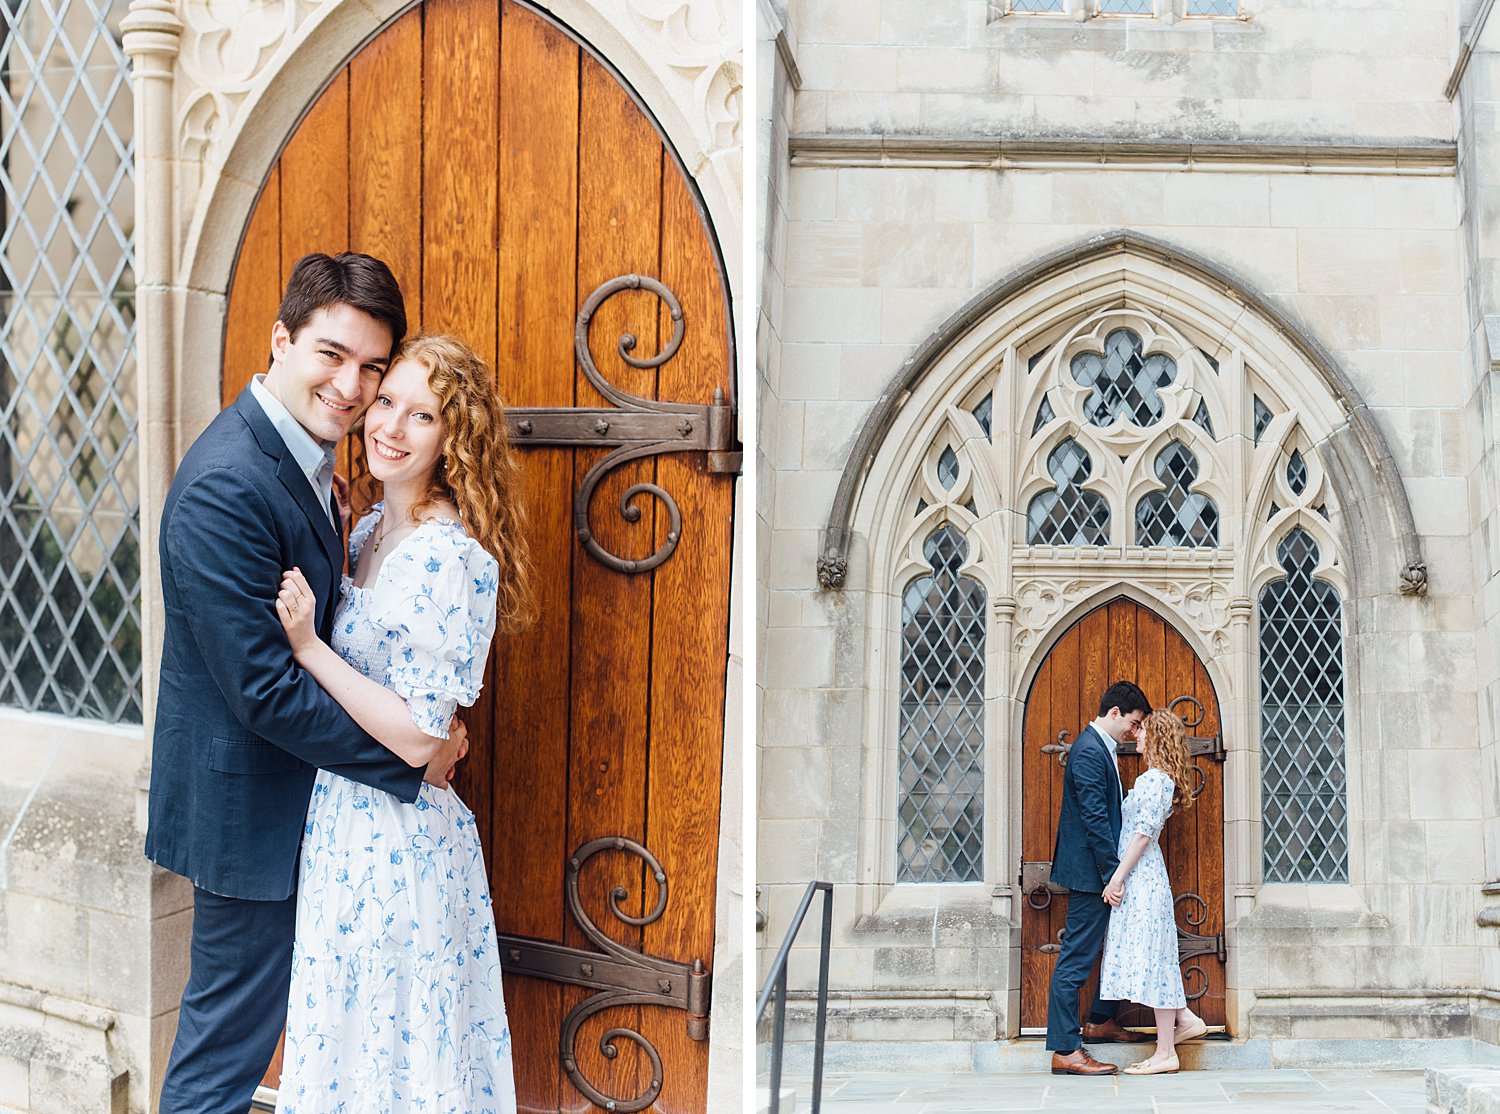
(93, 939)
(937, 148)
(1479, 164)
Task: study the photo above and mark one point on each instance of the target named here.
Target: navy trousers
(234, 1006)
(1083, 940)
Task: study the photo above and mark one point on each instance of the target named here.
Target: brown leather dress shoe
(1112, 1030)
(1079, 1062)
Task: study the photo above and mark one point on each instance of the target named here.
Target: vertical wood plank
(385, 155)
(255, 295)
(460, 75)
(315, 180)
(460, 121)
(690, 641)
(385, 172)
(538, 164)
(619, 214)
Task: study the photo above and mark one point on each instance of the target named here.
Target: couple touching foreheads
(1119, 897)
(305, 729)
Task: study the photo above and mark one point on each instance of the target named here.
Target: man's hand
(449, 751)
(341, 497)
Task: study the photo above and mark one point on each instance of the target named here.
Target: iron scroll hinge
(634, 427)
(622, 975)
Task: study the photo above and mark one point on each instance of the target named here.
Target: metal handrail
(776, 980)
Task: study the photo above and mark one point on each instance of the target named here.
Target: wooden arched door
(1123, 641)
(507, 174)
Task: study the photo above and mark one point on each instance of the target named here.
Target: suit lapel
(1114, 768)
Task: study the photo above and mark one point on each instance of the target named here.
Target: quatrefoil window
(1123, 380)
(1176, 515)
(1068, 515)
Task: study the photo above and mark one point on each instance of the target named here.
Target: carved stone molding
(1198, 599)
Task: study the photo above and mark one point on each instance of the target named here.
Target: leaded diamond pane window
(1176, 515)
(1303, 789)
(1201, 418)
(941, 807)
(1044, 415)
(947, 469)
(1055, 6)
(1125, 7)
(1068, 515)
(1296, 473)
(1262, 419)
(983, 412)
(69, 531)
(1213, 7)
(1124, 380)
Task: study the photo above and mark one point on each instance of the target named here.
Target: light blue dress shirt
(314, 457)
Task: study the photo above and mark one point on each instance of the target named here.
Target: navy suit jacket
(240, 727)
(1088, 824)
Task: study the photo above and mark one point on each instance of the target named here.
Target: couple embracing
(305, 727)
(1120, 899)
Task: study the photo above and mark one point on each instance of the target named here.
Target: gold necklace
(384, 530)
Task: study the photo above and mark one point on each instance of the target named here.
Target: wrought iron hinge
(623, 976)
(634, 427)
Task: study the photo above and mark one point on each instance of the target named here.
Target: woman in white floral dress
(1140, 949)
(396, 1000)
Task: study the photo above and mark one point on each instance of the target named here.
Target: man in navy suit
(1084, 859)
(240, 728)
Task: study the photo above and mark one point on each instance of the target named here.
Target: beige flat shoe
(1197, 1029)
(1168, 1066)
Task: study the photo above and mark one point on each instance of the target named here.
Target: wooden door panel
(1122, 640)
(505, 173)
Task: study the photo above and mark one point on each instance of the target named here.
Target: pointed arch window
(1303, 790)
(1176, 515)
(1068, 515)
(941, 772)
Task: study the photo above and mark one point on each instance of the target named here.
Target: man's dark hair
(362, 281)
(1126, 696)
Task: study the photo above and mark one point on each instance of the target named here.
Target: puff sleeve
(442, 620)
(1155, 788)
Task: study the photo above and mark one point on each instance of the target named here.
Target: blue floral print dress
(1140, 950)
(396, 1000)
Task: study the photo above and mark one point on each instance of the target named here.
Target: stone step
(1030, 1055)
(1470, 1089)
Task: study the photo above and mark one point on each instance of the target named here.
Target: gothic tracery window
(941, 772)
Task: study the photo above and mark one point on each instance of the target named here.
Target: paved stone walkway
(1277, 1091)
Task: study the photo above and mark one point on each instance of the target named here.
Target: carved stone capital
(152, 36)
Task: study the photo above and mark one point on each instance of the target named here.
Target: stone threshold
(1430, 158)
(1030, 1055)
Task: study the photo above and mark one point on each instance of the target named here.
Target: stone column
(152, 36)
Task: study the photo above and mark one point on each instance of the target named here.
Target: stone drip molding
(1434, 159)
(1320, 409)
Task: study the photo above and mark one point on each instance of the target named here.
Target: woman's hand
(1114, 893)
(295, 604)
